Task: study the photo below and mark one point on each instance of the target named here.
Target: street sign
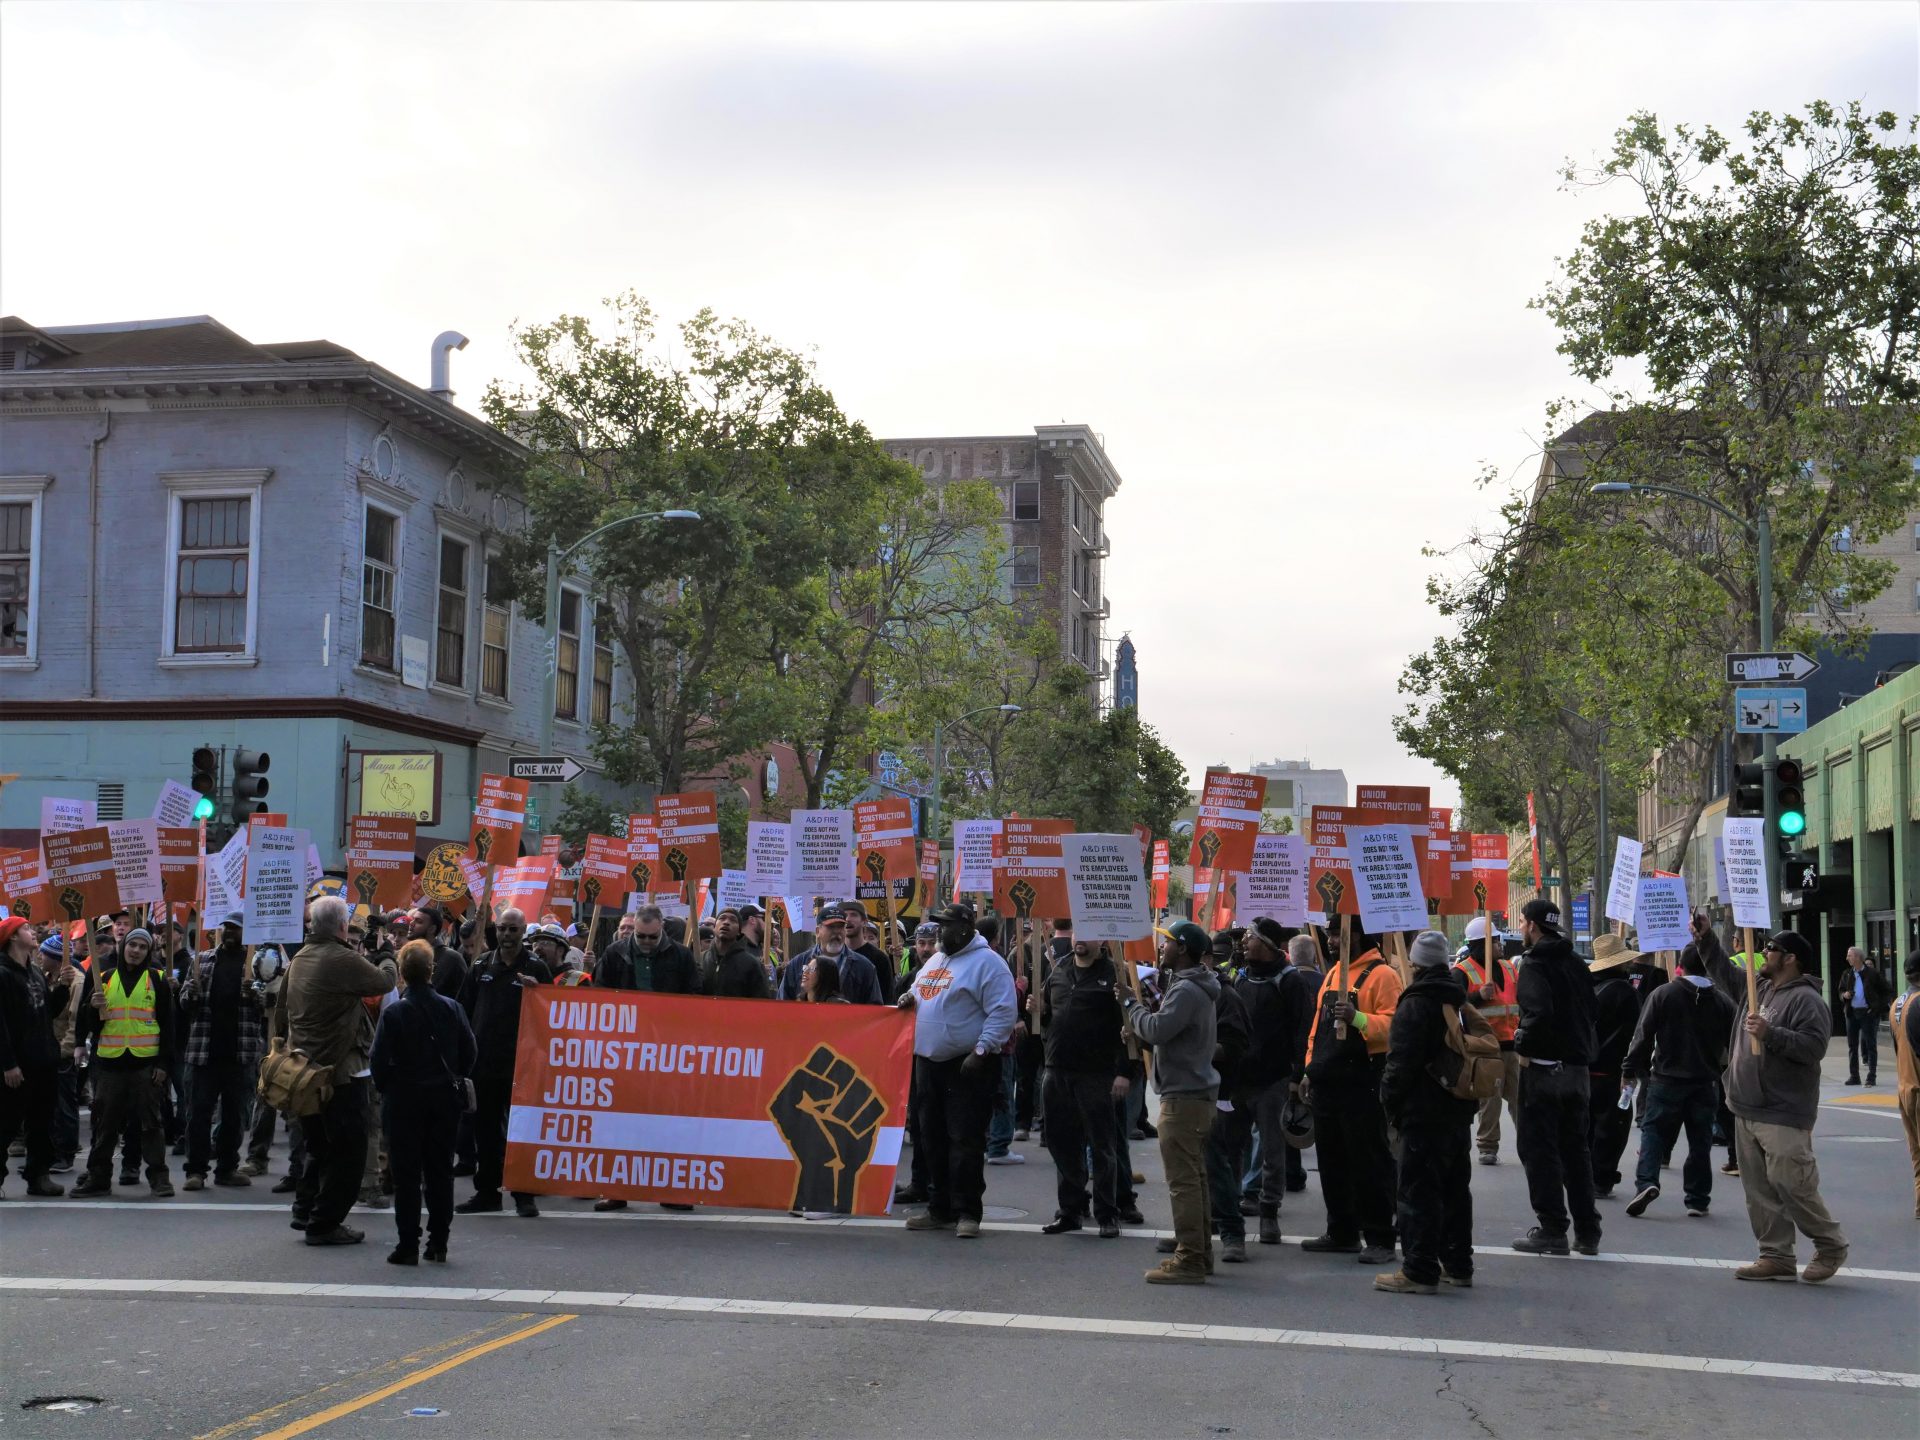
(533, 816)
(544, 767)
(1747, 666)
(1764, 710)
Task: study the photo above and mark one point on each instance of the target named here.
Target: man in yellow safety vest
(1490, 990)
(129, 1017)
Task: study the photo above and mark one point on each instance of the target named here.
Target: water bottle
(1626, 1094)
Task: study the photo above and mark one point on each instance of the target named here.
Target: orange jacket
(1378, 994)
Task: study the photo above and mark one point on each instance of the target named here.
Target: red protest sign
(23, 881)
(80, 872)
(523, 885)
(380, 860)
(180, 863)
(1030, 872)
(689, 838)
(1329, 875)
(1216, 912)
(603, 872)
(1229, 818)
(1436, 876)
(884, 846)
(643, 853)
(1490, 873)
(929, 873)
(1408, 805)
(1162, 874)
(1458, 898)
(499, 819)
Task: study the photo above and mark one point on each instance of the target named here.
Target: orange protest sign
(80, 872)
(884, 846)
(1436, 876)
(1029, 871)
(499, 819)
(523, 885)
(1408, 805)
(643, 852)
(180, 863)
(380, 860)
(1329, 876)
(1490, 873)
(689, 838)
(667, 1097)
(23, 883)
(1162, 874)
(1213, 911)
(1229, 818)
(929, 873)
(603, 872)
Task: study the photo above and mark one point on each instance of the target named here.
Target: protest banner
(1386, 874)
(1162, 879)
(80, 872)
(973, 856)
(1490, 889)
(1029, 875)
(689, 837)
(523, 885)
(274, 906)
(176, 804)
(442, 880)
(135, 845)
(58, 816)
(1461, 901)
(929, 875)
(1276, 886)
(604, 878)
(769, 846)
(1106, 887)
(733, 892)
(1329, 875)
(380, 860)
(499, 820)
(1214, 909)
(884, 841)
(1624, 881)
(1228, 819)
(822, 852)
(1661, 914)
(1436, 878)
(643, 855)
(1747, 896)
(1408, 805)
(180, 863)
(225, 874)
(23, 883)
(670, 1098)
(266, 818)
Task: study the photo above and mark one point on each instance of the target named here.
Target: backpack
(1470, 1068)
(293, 1084)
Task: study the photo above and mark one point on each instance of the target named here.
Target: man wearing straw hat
(1616, 1009)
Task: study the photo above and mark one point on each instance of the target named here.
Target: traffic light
(249, 785)
(1790, 799)
(206, 780)
(1749, 794)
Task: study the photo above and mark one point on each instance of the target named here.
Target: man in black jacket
(1556, 1039)
(1086, 1072)
(733, 970)
(491, 998)
(29, 1055)
(1232, 1133)
(1616, 1008)
(1279, 1001)
(648, 961)
(1434, 1192)
(449, 965)
(1681, 1043)
(1864, 998)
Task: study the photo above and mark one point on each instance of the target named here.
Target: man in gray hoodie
(1182, 1034)
(1774, 1096)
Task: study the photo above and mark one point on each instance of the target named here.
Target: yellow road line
(372, 1397)
(1881, 1102)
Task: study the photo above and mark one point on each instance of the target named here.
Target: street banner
(136, 861)
(929, 875)
(1746, 873)
(1624, 882)
(80, 872)
(1228, 819)
(23, 882)
(637, 1096)
(643, 856)
(769, 848)
(180, 862)
(380, 861)
(822, 852)
(885, 845)
(1490, 890)
(274, 907)
(1029, 876)
(1460, 901)
(1533, 841)
(1162, 873)
(1436, 876)
(226, 875)
(58, 816)
(1408, 805)
(1329, 876)
(523, 886)
(1276, 886)
(973, 852)
(689, 837)
(176, 804)
(1106, 887)
(734, 892)
(1386, 873)
(1660, 920)
(499, 819)
(604, 880)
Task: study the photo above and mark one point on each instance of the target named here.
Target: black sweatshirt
(1083, 1020)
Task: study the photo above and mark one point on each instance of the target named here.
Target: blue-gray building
(285, 547)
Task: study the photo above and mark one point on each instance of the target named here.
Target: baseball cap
(1190, 938)
(1544, 913)
(1794, 944)
(960, 912)
(831, 913)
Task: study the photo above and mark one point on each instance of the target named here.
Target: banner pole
(1340, 979)
(1753, 985)
(1034, 980)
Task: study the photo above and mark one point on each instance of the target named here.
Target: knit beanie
(1430, 951)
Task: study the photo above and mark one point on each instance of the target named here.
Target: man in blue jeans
(1864, 997)
(1679, 1048)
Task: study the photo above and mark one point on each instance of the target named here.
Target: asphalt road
(205, 1317)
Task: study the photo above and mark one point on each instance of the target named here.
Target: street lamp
(1760, 531)
(556, 561)
(940, 760)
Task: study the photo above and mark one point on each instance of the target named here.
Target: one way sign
(544, 767)
(1745, 667)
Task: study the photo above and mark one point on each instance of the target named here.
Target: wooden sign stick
(1491, 977)
(1035, 949)
(1340, 978)
(167, 906)
(1753, 985)
(1397, 950)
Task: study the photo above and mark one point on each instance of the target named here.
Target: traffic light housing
(1790, 799)
(206, 780)
(249, 785)
(1748, 797)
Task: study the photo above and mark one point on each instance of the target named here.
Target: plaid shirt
(251, 1043)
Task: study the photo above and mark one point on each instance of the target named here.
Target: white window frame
(469, 672)
(480, 691)
(360, 661)
(581, 655)
(184, 485)
(28, 490)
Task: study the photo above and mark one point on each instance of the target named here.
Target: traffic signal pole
(1769, 757)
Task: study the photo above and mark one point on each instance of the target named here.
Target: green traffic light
(203, 809)
(1793, 822)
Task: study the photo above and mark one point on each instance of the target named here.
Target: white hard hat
(1477, 928)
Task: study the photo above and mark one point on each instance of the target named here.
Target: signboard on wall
(402, 783)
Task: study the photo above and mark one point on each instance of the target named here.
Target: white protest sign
(1106, 887)
(59, 816)
(1386, 878)
(315, 870)
(176, 803)
(1720, 865)
(135, 845)
(276, 895)
(1625, 881)
(769, 846)
(1746, 845)
(822, 852)
(1660, 919)
(225, 874)
(1276, 887)
(733, 891)
(973, 856)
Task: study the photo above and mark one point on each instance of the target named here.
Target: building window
(1843, 540)
(496, 631)
(1916, 595)
(1916, 539)
(212, 575)
(17, 524)
(379, 578)
(1026, 566)
(566, 692)
(1026, 499)
(601, 712)
(450, 632)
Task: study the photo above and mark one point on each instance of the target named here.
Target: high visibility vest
(1503, 1015)
(131, 1024)
(571, 978)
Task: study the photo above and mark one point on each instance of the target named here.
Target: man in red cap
(29, 1055)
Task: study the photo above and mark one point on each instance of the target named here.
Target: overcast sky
(1277, 255)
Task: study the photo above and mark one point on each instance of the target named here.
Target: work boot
(1489, 1157)
(1462, 1280)
(1233, 1250)
(478, 1204)
(233, 1180)
(605, 1205)
(909, 1195)
(1269, 1225)
(161, 1189)
(1824, 1265)
(1541, 1242)
(523, 1206)
(87, 1185)
(1249, 1204)
(338, 1235)
(1327, 1245)
(1061, 1225)
(966, 1228)
(1377, 1255)
(1398, 1284)
(43, 1187)
(927, 1220)
(1587, 1244)
(1175, 1272)
(1767, 1267)
(285, 1185)
(195, 1182)
(403, 1255)
(1132, 1216)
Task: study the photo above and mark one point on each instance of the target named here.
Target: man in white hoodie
(964, 1009)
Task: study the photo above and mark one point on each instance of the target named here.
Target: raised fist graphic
(829, 1117)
